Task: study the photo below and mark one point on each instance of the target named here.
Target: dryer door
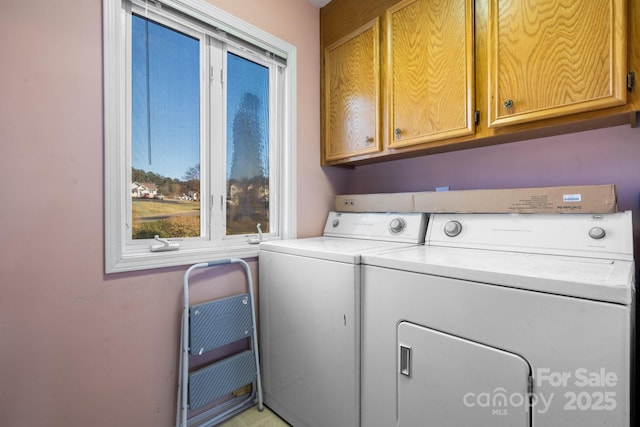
(444, 380)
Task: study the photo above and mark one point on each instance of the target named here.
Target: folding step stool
(207, 326)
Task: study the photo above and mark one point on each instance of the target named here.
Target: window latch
(256, 240)
(164, 245)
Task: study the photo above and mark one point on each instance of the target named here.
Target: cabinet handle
(397, 132)
(368, 139)
(508, 103)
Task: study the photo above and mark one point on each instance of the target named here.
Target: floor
(254, 418)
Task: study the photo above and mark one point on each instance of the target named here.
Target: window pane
(247, 146)
(165, 176)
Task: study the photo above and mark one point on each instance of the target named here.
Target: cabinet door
(551, 58)
(430, 71)
(352, 92)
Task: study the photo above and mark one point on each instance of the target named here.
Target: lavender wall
(603, 156)
(77, 347)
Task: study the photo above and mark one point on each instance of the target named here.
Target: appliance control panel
(597, 236)
(395, 227)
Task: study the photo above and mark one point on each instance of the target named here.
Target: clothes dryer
(501, 320)
(310, 315)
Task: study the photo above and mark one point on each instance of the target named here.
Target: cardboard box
(383, 202)
(593, 199)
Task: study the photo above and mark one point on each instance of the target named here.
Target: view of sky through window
(171, 62)
(166, 131)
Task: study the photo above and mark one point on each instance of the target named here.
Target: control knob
(597, 233)
(452, 228)
(397, 225)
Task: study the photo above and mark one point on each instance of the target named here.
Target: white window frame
(121, 254)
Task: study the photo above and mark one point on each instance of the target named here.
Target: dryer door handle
(405, 360)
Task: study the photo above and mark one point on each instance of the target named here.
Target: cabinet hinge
(476, 117)
(631, 80)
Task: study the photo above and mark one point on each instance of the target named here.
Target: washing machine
(501, 320)
(309, 294)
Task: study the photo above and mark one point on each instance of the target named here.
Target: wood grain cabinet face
(352, 94)
(430, 71)
(550, 58)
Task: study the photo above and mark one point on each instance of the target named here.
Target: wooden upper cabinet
(429, 71)
(352, 94)
(428, 76)
(550, 58)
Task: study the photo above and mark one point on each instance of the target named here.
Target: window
(199, 135)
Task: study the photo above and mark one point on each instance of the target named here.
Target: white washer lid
(589, 278)
(336, 249)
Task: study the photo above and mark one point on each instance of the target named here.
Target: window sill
(153, 260)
